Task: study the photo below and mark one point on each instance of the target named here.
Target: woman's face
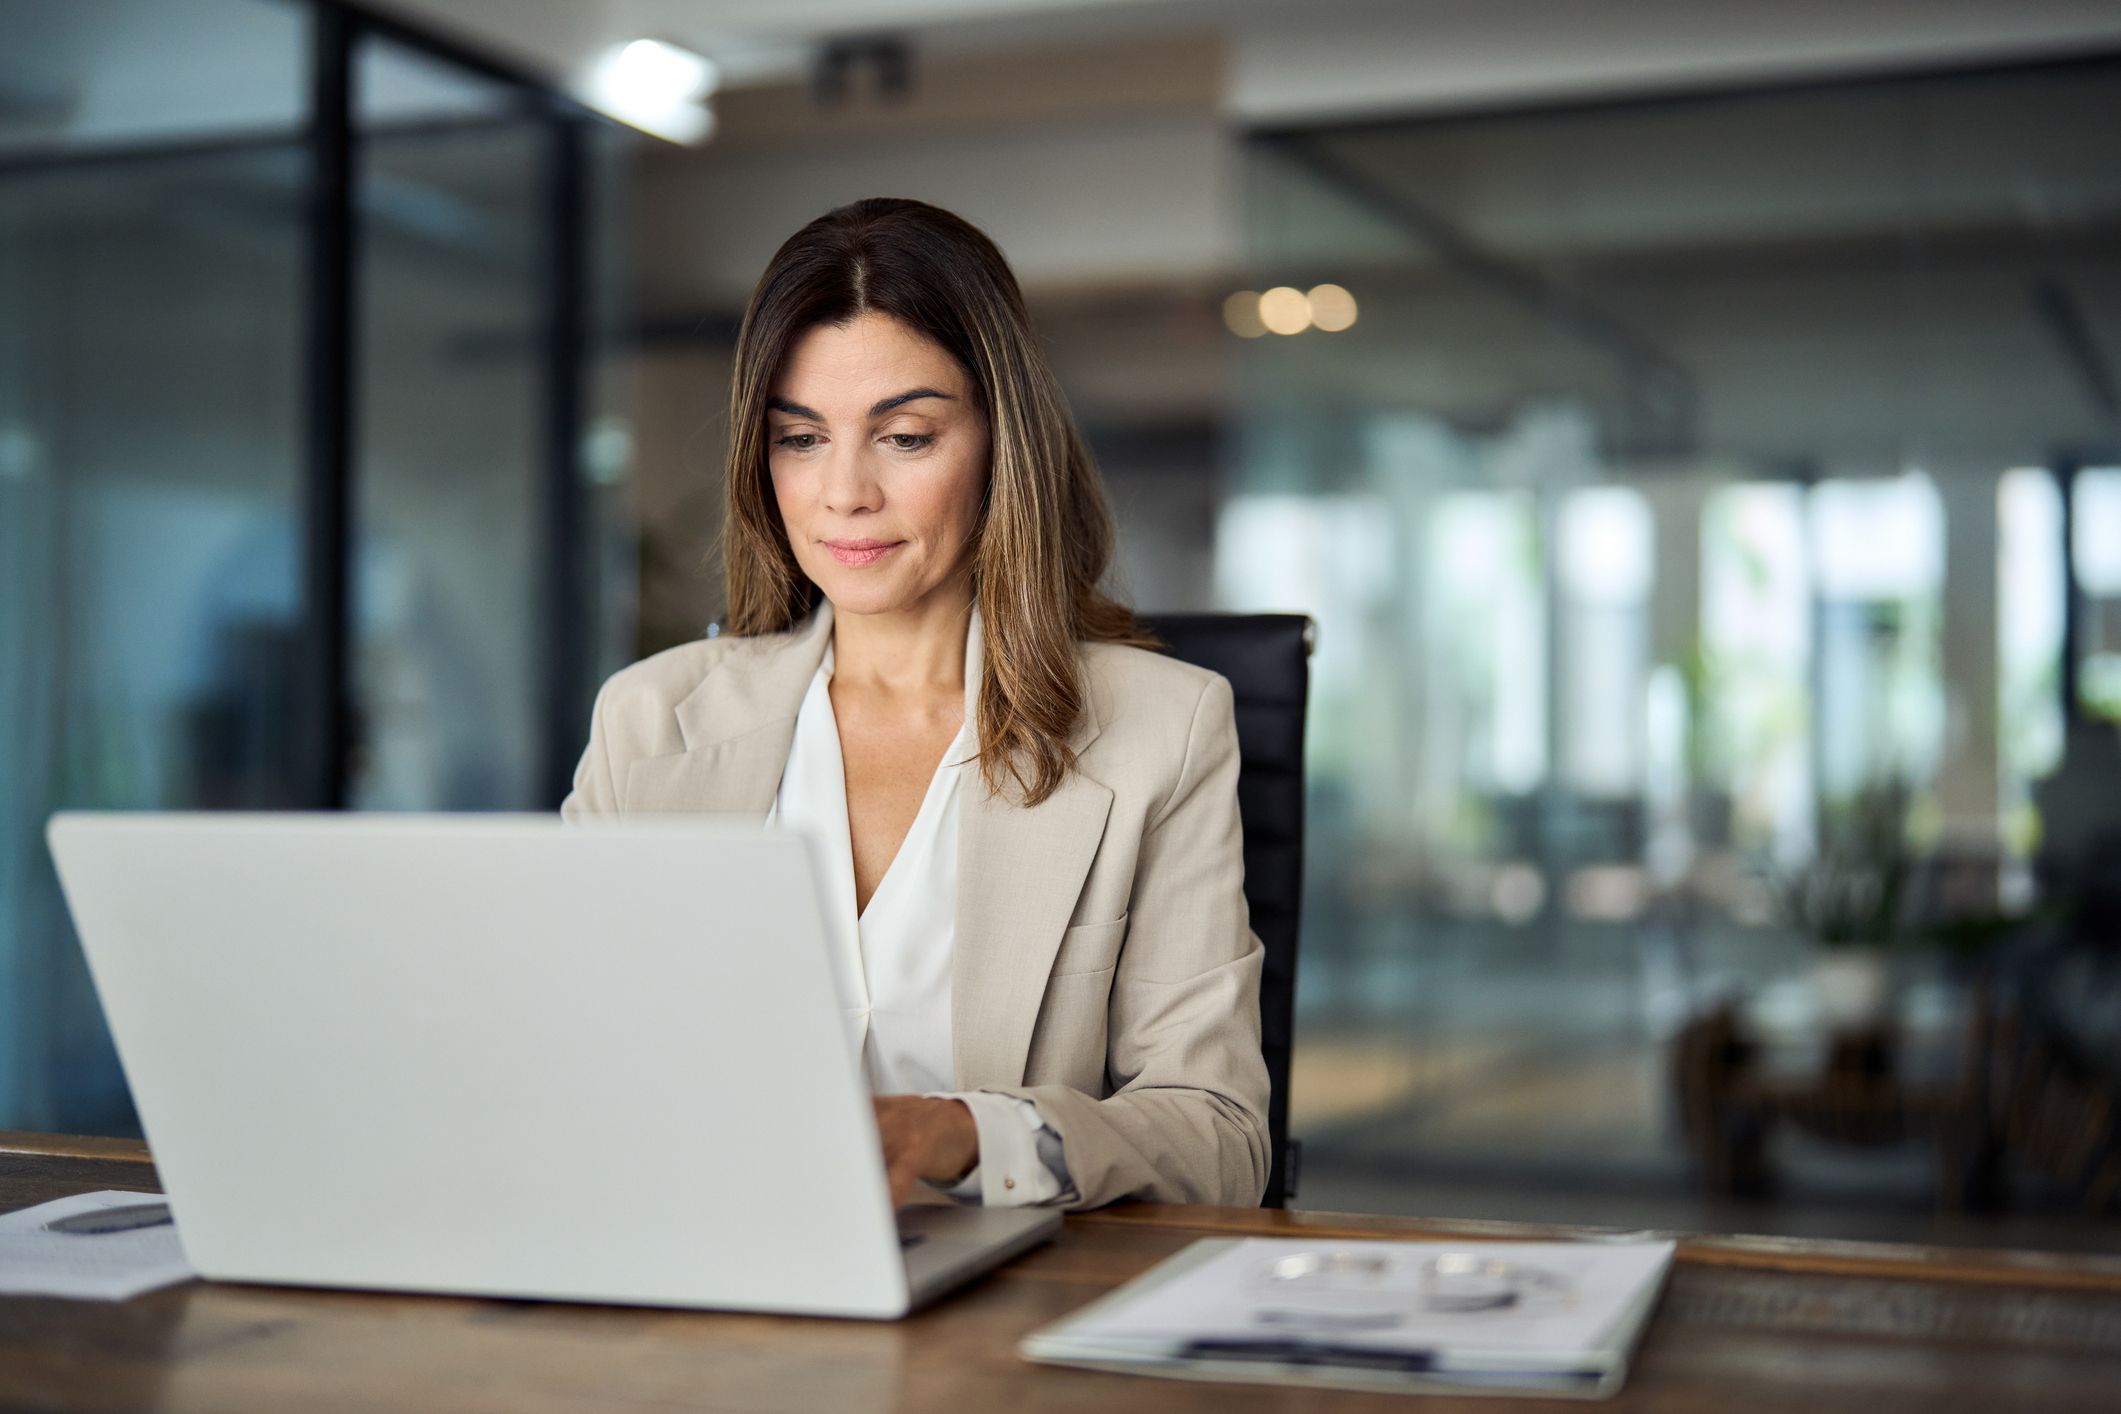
(879, 456)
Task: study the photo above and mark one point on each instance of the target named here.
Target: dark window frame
(332, 358)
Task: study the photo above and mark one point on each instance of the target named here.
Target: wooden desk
(1747, 1324)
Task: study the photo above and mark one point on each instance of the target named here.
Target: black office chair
(1266, 657)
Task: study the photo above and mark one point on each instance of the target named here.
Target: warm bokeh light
(1285, 310)
(1241, 313)
(1332, 307)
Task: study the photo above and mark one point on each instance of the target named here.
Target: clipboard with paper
(1483, 1317)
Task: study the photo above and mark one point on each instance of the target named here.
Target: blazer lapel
(727, 778)
(1019, 874)
(737, 727)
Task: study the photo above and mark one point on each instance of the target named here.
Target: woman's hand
(925, 1138)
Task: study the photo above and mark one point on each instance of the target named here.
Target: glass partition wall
(1679, 486)
(447, 504)
(294, 369)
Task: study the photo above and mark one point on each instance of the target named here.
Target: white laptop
(501, 1056)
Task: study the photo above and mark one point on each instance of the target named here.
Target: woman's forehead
(853, 365)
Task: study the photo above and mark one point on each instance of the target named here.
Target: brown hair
(1044, 536)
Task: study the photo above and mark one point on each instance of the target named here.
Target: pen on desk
(1356, 1357)
(1307, 1352)
(123, 1218)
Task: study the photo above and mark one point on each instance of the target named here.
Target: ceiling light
(657, 87)
(1241, 313)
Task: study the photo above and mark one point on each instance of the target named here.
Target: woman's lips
(861, 552)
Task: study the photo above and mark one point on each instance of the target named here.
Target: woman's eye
(797, 441)
(909, 441)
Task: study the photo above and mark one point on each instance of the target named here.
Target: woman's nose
(850, 483)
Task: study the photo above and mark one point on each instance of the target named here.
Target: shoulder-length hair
(1044, 535)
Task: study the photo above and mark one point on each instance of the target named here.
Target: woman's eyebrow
(889, 403)
(879, 409)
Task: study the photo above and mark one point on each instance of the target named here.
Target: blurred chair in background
(1266, 657)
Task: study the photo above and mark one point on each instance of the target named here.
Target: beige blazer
(1105, 967)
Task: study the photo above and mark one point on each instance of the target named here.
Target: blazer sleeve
(595, 790)
(1186, 1120)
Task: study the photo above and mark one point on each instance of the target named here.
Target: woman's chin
(856, 593)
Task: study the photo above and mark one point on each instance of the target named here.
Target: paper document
(103, 1246)
(1494, 1317)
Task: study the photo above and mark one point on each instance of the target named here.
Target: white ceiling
(1333, 58)
(100, 71)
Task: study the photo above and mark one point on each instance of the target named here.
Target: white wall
(1140, 199)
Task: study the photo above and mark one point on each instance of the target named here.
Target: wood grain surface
(1746, 1324)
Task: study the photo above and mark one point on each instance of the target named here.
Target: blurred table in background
(1739, 1074)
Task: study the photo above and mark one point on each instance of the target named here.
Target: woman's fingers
(903, 1177)
(924, 1138)
(899, 1167)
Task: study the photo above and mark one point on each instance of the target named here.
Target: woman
(1042, 934)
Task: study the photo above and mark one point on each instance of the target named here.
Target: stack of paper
(1486, 1317)
(105, 1246)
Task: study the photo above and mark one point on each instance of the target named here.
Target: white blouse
(892, 962)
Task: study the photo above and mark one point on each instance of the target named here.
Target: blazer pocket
(1090, 947)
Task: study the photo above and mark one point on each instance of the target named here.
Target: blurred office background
(1694, 429)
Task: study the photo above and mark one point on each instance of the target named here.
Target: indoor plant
(1849, 898)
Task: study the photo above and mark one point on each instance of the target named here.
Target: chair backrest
(1266, 657)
